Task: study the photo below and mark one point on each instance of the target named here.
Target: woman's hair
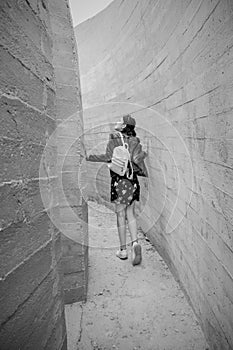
(130, 125)
(129, 130)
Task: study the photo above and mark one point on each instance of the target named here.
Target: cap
(129, 120)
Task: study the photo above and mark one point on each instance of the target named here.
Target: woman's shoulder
(134, 139)
(129, 138)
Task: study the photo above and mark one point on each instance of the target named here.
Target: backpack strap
(126, 146)
(122, 139)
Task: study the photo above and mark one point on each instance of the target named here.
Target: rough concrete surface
(128, 307)
(170, 64)
(68, 106)
(38, 60)
(31, 296)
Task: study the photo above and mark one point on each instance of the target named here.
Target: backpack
(120, 159)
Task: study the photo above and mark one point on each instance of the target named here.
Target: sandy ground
(129, 307)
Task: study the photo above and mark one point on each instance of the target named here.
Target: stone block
(21, 121)
(17, 80)
(20, 283)
(38, 313)
(75, 295)
(75, 287)
(73, 264)
(69, 248)
(58, 339)
(24, 200)
(16, 41)
(18, 241)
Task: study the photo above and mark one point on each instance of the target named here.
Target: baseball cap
(127, 119)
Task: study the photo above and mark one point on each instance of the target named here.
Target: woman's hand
(86, 155)
(146, 146)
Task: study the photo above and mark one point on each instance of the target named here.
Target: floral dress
(124, 190)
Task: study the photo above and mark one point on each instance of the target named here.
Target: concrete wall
(31, 283)
(170, 63)
(69, 134)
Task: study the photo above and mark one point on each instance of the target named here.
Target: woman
(125, 191)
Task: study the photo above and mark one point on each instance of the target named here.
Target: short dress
(124, 190)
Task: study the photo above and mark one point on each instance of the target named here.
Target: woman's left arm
(138, 154)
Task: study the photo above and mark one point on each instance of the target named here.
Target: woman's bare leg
(132, 223)
(121, 224)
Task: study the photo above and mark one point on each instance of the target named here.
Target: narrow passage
(128, 307)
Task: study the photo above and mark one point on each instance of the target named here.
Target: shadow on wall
(169, 64)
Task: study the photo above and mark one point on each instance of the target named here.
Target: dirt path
(128, 307)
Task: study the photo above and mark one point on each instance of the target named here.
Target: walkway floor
(128, 307)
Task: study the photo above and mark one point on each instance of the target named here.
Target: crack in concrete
(196, 34)
(10, 96)
(81, 325)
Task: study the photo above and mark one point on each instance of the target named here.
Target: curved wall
(170, 64)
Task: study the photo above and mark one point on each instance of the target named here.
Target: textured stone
(15, 40)
(22, 121)
(32, 316)
(18, 241)
(20, 283)
(31, 277)
(73, 211)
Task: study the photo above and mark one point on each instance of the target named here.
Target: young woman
(125, 191)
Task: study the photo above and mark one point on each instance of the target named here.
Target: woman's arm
(106, 157)
(138, 154)
(138, 161)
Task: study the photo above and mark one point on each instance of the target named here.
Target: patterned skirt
(123, 190)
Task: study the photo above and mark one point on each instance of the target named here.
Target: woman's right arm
(105, 157)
